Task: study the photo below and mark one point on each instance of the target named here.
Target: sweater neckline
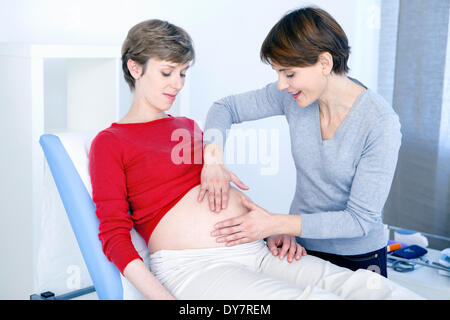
(347, 119)
(139, 124)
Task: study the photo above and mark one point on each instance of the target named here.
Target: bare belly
(188, 224)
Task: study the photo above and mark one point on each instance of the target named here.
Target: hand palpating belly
(188, 224)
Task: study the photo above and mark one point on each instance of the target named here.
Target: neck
(338, 98)
(143, 111)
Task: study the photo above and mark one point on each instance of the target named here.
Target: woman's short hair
(301, 36)
(155, 39)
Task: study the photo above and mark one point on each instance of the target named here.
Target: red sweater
(145, 168)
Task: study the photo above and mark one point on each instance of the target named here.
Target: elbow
(225, 107)
(365, 221)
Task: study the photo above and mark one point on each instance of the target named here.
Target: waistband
(245, 248)
(164, 261)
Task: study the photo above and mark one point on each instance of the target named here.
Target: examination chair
(67, 158)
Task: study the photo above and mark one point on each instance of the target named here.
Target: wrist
(289, 224)
(212, 154)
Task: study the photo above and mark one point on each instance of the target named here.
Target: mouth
(171, 97)
(296, 95)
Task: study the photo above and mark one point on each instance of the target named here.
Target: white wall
(227, 37)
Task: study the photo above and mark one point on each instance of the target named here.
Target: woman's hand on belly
(189, 223)
(257, 224)
(216, 178)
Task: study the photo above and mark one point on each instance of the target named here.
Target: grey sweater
(343, 182)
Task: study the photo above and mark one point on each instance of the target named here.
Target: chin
(165, 106)
(301, 104)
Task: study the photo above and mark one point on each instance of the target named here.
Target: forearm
(145, 282)
(339, 224)
(248, 106)
(289, 224)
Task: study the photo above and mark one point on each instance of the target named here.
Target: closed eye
(168, 74)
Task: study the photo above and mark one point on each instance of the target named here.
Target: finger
(201, 194)
(292, 250)
(304, 253)
(284, 248)
(211, 199)
(299, 252)
(226, 231)
(218, 198)
(225, 190)
(278, 241)
(232, 237)
(272, 247)
(238, 182)
(240, 241)
(228, 223)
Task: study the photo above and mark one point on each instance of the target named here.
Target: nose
(178, 83)
(282, 84)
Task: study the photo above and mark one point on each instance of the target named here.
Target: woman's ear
(326, 63)
(134, 68)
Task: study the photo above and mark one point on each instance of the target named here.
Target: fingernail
(213, 233)
(220, 240)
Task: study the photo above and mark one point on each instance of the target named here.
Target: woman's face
(305, 84)
(160, 83)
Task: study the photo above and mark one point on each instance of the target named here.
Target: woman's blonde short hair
(155, 39)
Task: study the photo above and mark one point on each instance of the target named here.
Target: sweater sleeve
(252, 105)
(369, 190)
(109, 194)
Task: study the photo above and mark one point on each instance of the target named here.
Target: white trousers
(250, 272)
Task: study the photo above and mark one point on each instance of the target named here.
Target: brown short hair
(301, 36)
(155, 39)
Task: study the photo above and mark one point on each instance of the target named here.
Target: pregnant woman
(149, 163)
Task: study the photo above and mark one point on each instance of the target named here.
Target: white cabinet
(66, 87)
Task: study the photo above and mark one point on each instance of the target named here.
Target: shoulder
(105, 136)
(279, 95)
(377, 106)
(105, 142)
(267, 93)
(186, 122)
(379, 112)
(383, 128)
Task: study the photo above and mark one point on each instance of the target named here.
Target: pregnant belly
(188, 224)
